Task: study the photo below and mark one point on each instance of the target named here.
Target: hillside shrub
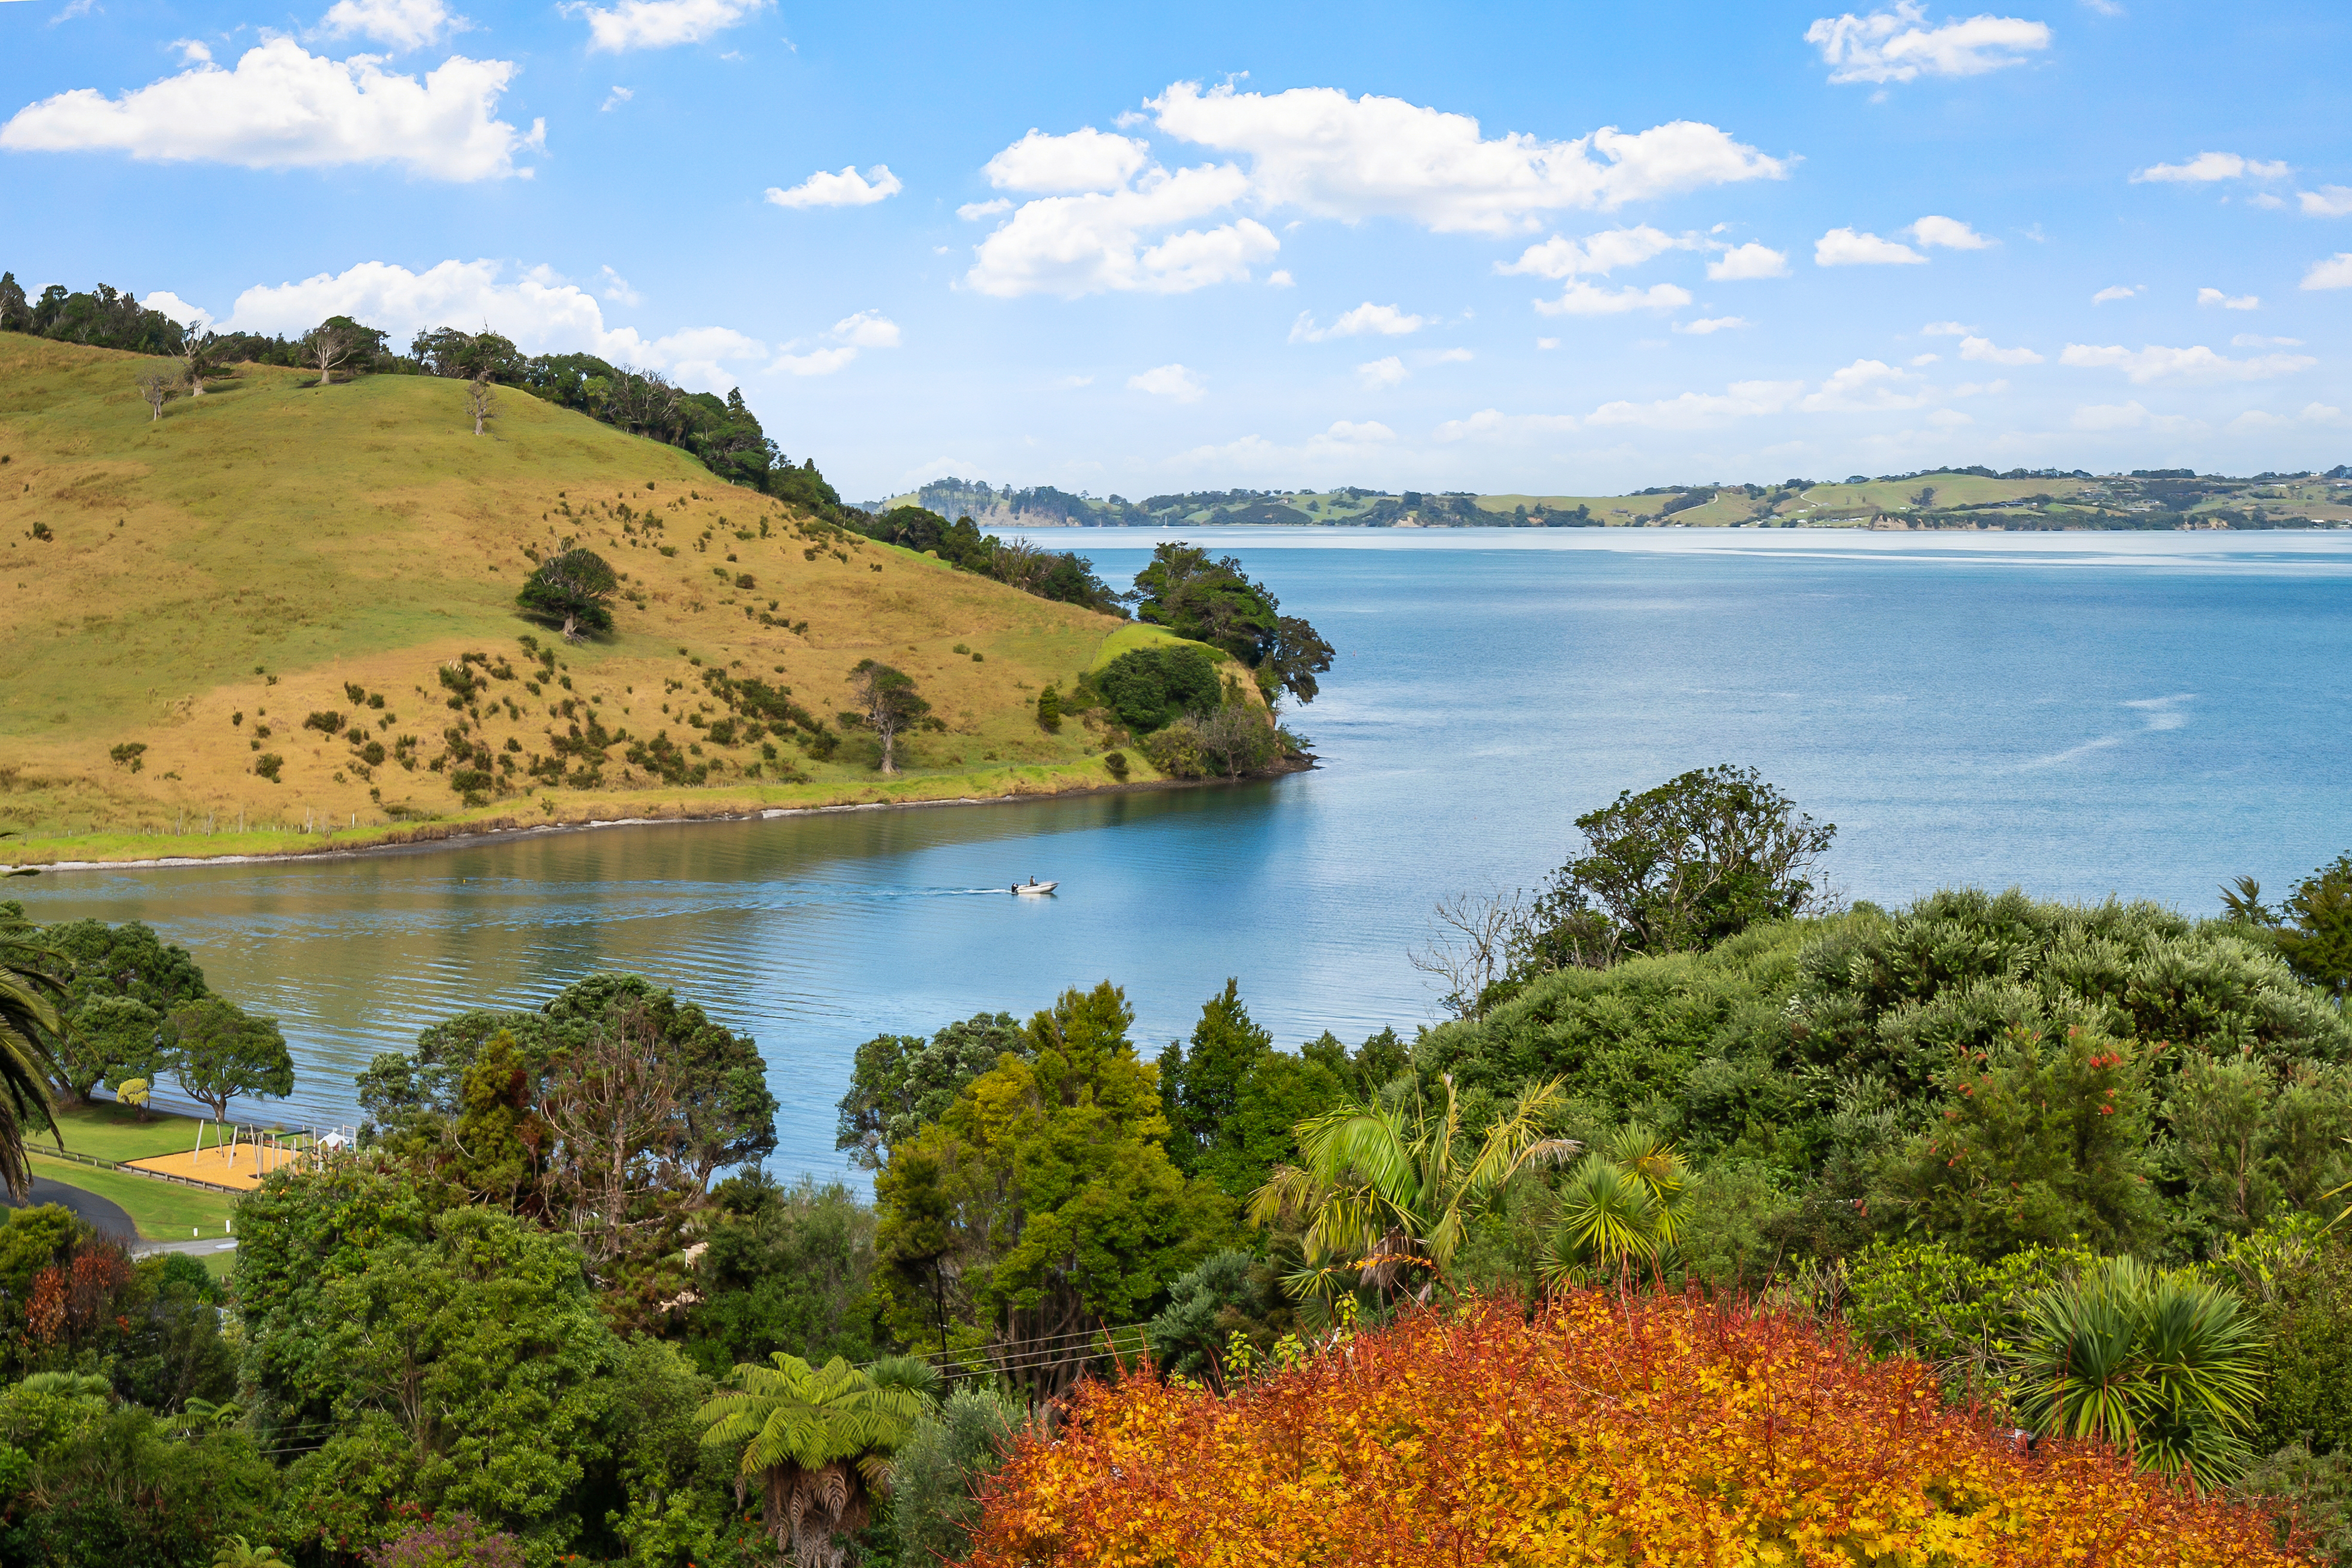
(1151, 687)
(1176, 750)
(1605, 1430)
(2297, 1281)
(268, 765)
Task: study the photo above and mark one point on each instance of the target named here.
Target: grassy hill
(201, 586)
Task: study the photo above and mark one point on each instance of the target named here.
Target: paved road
(108, 1216)
(102, 1212)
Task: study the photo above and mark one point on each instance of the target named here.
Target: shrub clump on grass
(1657, 1430)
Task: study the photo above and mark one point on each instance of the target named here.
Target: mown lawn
(111, 1132)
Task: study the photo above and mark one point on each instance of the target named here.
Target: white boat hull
(1034, 889)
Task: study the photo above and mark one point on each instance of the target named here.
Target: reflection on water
(2109, 717)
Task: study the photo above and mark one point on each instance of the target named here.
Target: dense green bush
(1839, 1056)
(1149, 687)
(784, 1268)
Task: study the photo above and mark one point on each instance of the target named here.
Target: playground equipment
(241, 1154)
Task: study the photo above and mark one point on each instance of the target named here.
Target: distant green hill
(1943, 498)
(186, 595)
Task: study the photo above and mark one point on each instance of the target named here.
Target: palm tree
(29, 995)
(2161, 1365)
(1622, 1206)
(820, 1439)
(1390, 1194)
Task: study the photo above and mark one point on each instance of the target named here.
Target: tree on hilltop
(472, 356)
(202, 354)
(572, 590)
(340, 343)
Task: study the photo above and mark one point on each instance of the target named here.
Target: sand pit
(241, 1166)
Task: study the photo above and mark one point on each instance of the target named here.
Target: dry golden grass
(267, 544)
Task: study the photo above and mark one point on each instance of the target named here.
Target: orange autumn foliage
(1656, 1432)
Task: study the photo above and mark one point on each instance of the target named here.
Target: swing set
(243, 1153)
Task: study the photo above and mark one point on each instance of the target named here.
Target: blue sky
(1559, 248)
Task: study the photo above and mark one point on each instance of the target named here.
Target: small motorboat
(1033, 888)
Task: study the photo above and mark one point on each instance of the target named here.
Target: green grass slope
(186, 585)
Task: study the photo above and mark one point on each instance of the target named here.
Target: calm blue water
(2147, 716)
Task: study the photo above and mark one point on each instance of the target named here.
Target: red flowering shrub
(1655, 1432)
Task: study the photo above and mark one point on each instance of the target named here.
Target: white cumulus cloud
(1864, 386)
(1582, 299)
(285, 108)
(2207, 168)
(1598, 254)
(402, 24)
(1708, 325)
(617, 290)
(817, 361)
(1101, 241)
(1701, 410)
(1367, 319)
(2157, 363)
(1945, 329)
(614, 98)
(1107, 217)
(2229, 301)
(1169, 381)
(1332, 156)
(1383, 372)
(972, 211)
(194, 317)
(1982, 350)
(1845, 248)
(659, 24)
(1949, 233)
(1084, 160)
(2116, 291)
(2327, 201)
(1743, 262)
(840, 346)
(1900, 44)
(847, 189)
(2101, 417)
(2336, 272)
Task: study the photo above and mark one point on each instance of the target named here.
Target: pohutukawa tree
(891, 704)
(573, 590)
(219, 1051)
